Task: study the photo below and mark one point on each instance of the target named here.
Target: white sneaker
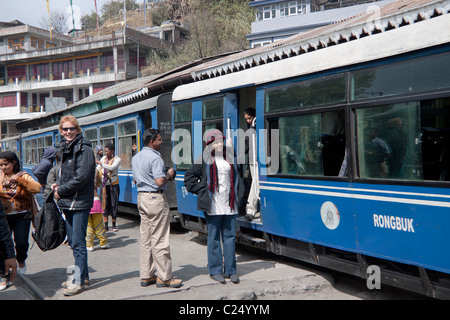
(73, 289)
(90, 249)
(106, 246)
(23, 269)
(4, 283)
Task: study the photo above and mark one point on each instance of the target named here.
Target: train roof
(395, 28)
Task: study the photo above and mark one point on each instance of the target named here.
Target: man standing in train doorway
(250, 150)
(151, 178)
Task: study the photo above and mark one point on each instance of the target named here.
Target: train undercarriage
(377, 272)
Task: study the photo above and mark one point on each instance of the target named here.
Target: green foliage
(215, 27)
(111, 9)
(89, 21)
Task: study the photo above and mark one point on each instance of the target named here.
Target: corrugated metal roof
(376, 20)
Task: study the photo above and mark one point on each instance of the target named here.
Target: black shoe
(218, 278)
(233, 278)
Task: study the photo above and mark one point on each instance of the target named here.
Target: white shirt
(221, 198)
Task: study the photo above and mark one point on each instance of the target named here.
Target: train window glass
(212, 108)
(435, 139)
(388, 142)
(404, 77)
(308, 93)
(91, 135)
(48, 141)
(27, 147)
(182, 136)
(126, 134)
(182, 112)
(107, 135)
(40, 154)
(125, 128)
(34, 150)
(310, 144)
(183, 156)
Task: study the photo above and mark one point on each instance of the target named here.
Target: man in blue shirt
(151, 178)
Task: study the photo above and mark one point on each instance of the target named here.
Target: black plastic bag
(49, 226)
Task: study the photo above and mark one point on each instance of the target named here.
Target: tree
(57, 21)
(112, 9)
(89, 21)
(215, 27)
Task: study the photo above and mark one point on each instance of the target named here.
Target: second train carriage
(123, 127)
(353, 153)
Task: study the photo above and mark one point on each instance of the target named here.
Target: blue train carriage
(33, 143)
(124, 127)
(11, 144)
(354, 153)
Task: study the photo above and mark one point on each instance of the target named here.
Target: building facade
(42, 72)
(279, 19)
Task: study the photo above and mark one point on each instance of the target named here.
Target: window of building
(266, 13)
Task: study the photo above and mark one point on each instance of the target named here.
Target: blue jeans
(76, 227)
(221, 228)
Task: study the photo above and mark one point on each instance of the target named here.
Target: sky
(32, 11)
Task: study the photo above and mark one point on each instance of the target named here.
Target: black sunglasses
(69, 128)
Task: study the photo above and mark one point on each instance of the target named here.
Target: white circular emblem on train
(330, 215)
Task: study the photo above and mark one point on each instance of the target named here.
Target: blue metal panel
(187, 202)
(403, 224)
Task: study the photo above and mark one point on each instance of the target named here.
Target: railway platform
(114, 273)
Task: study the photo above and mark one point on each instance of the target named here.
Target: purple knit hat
(212, 135)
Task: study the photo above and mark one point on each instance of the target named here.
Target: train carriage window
(310, 144)
(126, 134)
(212, 109)
(48, 141)
(387, 142)
(407, 141)
(307, 93)
(40, 153)
(92, 136)
(27, 148)
(212, 115)
(182, 112)
(402, 77)
(182, 155)
(34, 152)
(107, 135)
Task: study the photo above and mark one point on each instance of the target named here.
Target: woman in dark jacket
(74, 191)
(219, 191)
(8, 263)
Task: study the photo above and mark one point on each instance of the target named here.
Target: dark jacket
(41, 170)
(196, 181)
(6, 243)
(76, 181)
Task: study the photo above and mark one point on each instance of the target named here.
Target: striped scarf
(214, 179)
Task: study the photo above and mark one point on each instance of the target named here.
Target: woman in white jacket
(109, 167)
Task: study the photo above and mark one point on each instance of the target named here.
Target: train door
(164, 125)
(191, 119)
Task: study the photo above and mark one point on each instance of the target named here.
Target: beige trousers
(154, 251)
